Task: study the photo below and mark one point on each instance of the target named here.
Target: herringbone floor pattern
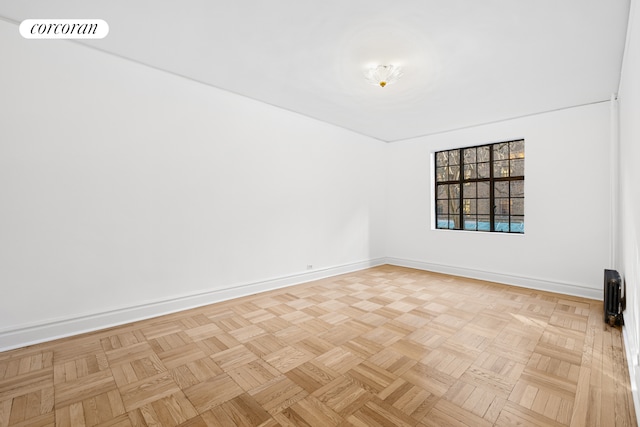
(386, 346)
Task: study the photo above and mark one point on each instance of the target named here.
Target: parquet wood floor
(386, 346)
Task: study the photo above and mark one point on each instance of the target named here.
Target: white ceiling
(466, 62)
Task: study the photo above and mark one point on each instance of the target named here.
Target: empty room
(305, 213)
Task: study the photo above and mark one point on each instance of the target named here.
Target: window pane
(469, 156)
(443, 221)
(484, 207)
(517, 167)
(469, 206)
(516, 149)
(517, 224)
(442, 207)
(483, 170)
(501, 189)
(483, 154)
(470, 222)
(454, 206)
(470, 171)
(469, 190)
(441, 158)
(502, 223)
(501, 169)
(441, 174)
(483, 223)
(502, 207)
(454, 157)
(454, 173)
(501, 151)
(517, 188)
(442, 192)
(454, 191)
(483, 189)
(517, 206)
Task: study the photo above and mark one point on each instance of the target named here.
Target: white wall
(566, 242)
(629, 238)
(127, 192)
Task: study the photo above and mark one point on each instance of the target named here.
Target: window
(481, 188)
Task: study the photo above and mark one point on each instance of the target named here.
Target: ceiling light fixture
(383, 75)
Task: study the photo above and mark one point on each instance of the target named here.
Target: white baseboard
(25, 335)
(633, 369)
(508, 279)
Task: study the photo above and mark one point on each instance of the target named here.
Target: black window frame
(480, 188)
